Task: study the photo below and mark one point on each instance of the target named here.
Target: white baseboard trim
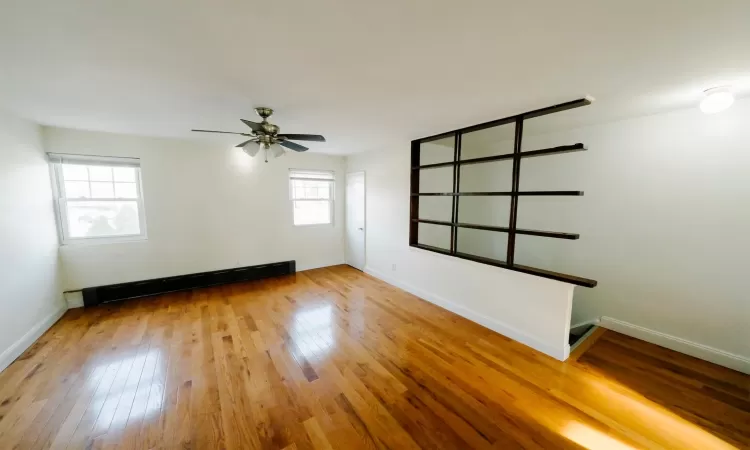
(74, 299)
(585, 323)
(585, 336)
(487, 322)
(303, 267)
(714, 355)
(20, 346)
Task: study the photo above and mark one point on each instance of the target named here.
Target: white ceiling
(364, 73)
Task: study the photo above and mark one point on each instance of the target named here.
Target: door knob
(361, 229)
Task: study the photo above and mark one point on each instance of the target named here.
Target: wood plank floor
(334, 359)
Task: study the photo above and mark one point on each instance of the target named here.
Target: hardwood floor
(334, 359)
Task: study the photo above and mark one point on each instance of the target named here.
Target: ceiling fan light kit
(265, 136)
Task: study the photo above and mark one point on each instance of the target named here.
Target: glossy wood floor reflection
(334, 359)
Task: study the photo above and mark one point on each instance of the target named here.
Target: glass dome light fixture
(277, 151)
(252, 148)
(716, 99)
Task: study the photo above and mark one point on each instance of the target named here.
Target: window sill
(310, 225)
(87, 242)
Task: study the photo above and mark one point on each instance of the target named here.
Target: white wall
(31, 295)
(208, 207)
(532, 310)
(663, 227)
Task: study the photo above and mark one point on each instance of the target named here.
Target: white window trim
(331, 200)
(58, 188)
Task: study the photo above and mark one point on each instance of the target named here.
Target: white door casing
(355, 219)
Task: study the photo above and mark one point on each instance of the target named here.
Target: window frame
(61, 202)
(331, 195)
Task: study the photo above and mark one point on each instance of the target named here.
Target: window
(311, 193)
(98, 198)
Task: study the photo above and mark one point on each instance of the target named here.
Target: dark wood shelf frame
(512, 230)
(504, 193)
(572, 279)
(552, 234)
(507, 156)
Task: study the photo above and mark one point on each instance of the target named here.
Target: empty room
(374, 225)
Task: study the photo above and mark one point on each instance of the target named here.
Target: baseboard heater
(103, 294)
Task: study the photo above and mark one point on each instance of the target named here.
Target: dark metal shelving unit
(512, 230)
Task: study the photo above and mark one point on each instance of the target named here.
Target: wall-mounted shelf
(506, 120)
(572, 279)
(503, 193)
(551, 234)
(508, 156)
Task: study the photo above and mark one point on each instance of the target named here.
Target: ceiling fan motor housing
(269, 128)
(264, 112)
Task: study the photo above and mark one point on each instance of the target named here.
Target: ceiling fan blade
(224, 132)
(304, 137)
(253, 125)
(244, 143)
(293, 146)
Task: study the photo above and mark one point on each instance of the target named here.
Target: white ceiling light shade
(252, 148)
(717, 99)
(277, 151)
(274, 151)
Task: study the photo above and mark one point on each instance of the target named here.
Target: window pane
(77, 189)
(102, 190)
(99, 219)
(75, 172)
(100, 173)
(125, 190)
(309, 189)
(126, 174)
(312, 212)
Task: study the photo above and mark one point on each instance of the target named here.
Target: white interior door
(355, 220)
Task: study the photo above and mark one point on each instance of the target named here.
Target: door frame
(346, 217)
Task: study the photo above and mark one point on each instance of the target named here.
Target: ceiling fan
(265, 136)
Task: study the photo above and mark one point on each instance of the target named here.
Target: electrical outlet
(393, 267)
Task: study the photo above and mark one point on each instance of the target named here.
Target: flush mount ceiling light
(716, 99)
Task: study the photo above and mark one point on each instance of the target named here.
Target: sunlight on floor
(141, 397)
(592, 439)
(648, 414)
(313, 330)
